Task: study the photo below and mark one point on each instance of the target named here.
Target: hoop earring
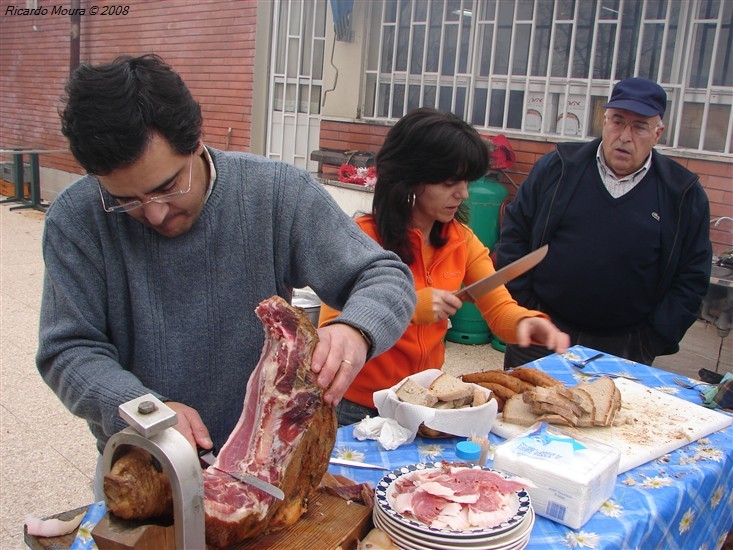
(411, 200)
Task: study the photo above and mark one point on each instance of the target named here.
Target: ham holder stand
(151, 428)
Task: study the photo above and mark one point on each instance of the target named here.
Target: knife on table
(473, 292)
(354, 464)
(207, 456)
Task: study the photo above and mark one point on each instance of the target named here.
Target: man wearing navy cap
(628, 228)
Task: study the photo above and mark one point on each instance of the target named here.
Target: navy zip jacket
(685, 257)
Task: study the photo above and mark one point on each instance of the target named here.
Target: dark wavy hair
(109, 111)
(426, 146)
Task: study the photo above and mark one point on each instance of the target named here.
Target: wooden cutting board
(330, 523)
(661, 424)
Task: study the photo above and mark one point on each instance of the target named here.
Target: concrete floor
(47, 456)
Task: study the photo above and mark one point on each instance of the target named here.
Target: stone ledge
(336, 183)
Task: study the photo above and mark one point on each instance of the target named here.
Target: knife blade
(208, 457)
(472, 292)
(354, 464)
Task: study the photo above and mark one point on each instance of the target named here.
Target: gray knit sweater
(126, 311)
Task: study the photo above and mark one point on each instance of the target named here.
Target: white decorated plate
(414, 540)
(384, 494)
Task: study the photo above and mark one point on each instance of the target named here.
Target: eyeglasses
(638, 128)
(125, 205)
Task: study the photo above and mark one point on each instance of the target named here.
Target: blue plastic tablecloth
(682, 500)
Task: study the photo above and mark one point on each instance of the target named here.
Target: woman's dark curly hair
(426, 146)
(109, 111)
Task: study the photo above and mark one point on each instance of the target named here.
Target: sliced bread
(585, 402)
(516, 411)
(555, 397)
(412, 392)
(447, 387)
(542, 408)
(615, 405)
(603, 393)
(583, 399)
(479, 397)
(596, 403)
(554, 419)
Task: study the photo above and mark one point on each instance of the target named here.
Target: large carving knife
(209, 458)
(473, 292)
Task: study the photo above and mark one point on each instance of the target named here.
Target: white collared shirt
(212, 170)
(615, 186)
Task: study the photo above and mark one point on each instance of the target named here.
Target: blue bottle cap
(468, 450)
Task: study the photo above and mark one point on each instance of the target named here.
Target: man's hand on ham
(338, 358)
(190, 425)
(538, 330)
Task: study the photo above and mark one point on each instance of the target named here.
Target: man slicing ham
(157, 258)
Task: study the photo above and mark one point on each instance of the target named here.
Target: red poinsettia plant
(366, 176)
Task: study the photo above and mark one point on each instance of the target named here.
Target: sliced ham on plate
(456, 497)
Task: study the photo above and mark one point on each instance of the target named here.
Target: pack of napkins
(573, 475)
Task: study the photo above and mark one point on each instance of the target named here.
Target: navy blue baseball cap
(638, 95)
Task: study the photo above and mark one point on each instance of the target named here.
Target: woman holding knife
(423, 172)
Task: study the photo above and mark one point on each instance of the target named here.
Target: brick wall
(211, 43)
(716, 176)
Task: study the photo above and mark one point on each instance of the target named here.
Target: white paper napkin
(388, 433)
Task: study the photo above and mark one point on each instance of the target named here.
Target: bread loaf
(588, 404)
(615, 405)
(602, 391)
(585, 402)
(554, 397)
(553, 401)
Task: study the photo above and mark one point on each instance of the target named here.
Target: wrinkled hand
(338, 358)
(190, 425)
(537, 330)
(445, 304)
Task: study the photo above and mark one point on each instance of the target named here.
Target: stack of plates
(411, 534)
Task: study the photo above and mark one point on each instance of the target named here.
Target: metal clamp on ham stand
(152, 429)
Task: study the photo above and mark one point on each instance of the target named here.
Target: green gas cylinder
(485, 197)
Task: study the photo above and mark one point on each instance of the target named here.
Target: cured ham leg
(284, 436)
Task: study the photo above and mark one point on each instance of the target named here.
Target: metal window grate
(547, 67)
(296, 79)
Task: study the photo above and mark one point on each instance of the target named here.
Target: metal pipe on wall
(74, 36)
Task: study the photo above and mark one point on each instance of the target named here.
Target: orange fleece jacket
(462, 260)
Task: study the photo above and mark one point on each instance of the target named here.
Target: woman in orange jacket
(423, 172)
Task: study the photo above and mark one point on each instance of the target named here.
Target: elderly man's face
(628, 139)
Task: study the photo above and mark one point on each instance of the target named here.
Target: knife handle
(200, 451)
(465, 296)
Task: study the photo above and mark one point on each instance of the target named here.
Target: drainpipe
(74, 35)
